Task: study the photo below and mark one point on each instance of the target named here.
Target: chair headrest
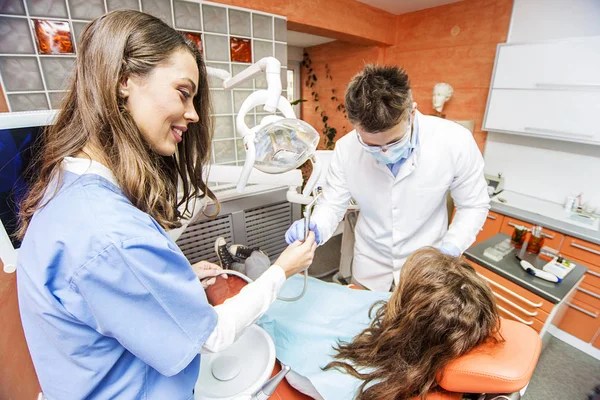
(504, 367)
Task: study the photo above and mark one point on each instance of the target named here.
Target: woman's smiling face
(161, 103)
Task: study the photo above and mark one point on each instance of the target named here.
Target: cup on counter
(518, 237)
(570, 203)
(536, 240)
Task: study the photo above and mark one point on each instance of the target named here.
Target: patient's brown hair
(440, 310)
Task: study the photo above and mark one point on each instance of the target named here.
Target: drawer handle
(523, 299)
(547, 236)
(578, 246)
(524, 311)
(515, 316)
(586, 312)
(597, 296)
(589, 271)
(554, 132)
(515, 225)
(491, 217)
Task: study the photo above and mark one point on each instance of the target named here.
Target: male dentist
(398, 165)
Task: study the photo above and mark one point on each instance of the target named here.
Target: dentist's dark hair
(378, 98)
(440, 310)
(93, 115)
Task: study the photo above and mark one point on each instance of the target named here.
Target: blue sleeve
(143, 293)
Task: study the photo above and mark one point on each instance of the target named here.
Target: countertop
(510, 269)
(544, 213)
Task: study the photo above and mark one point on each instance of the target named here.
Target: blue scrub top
(110, 307)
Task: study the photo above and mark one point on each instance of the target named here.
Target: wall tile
(214, 18)
(77, 29)
(196, 38)
(56, 99)
(28, 102)
(238, 98)
(236, 69)
(57, 71)
(240, 150)
(122, 4)
(21, 73)
(160, 9)
(216, 82)
(216, 47)
(239, 23)
(241, 49)
(280, 30)
(221, 101)
(281, 53)
(224, 151)
(223, 127)
(86, 9)
(47, 8)
(260, 82)
(13, 7)
(262, 49)
(15, 37)
(187, 15)
(262, 26)
(283, 74)
(53, 37)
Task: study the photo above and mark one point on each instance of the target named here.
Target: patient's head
(440, 310)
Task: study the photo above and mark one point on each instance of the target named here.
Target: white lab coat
(401, 214)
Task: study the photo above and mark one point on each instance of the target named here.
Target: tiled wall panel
(39, 38)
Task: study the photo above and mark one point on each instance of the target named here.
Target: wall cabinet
(546, 89)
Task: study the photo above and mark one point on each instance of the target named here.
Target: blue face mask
(393, 152)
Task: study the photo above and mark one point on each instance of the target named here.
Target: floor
(563, 372)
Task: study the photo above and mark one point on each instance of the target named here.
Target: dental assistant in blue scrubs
(110, 306)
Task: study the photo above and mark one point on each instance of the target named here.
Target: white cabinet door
(553, 114)
(570, 64)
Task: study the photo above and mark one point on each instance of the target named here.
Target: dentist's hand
(296, 232)
(297, 256)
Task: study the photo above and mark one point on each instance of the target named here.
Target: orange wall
(429, 51)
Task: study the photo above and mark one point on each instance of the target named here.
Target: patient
(440, 310)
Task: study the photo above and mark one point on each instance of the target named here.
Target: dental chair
(492, 371)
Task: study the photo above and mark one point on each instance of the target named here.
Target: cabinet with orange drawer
(492, 226)
(582, 318)
(515, 302)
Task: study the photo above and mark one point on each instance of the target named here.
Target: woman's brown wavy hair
(440, 310)
(112, 46)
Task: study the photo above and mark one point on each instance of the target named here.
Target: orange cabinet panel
(552, 238)
(515, 293)
(580, 320)
(592, 275)
(587, 252)
(532, 322)
(492, 226)
(588, 294)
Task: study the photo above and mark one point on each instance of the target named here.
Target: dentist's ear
(414, 106)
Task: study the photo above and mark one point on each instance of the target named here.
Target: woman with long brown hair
(110, 306)
(440, 310)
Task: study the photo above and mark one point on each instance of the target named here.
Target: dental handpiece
(307, 213)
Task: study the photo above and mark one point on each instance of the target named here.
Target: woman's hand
(298, 256)
(205, 271)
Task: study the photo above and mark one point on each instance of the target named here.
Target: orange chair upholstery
(496, 367)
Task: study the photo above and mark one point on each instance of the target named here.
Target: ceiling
(404, 6)
(392, 6)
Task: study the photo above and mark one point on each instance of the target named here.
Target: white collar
(81, 166)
